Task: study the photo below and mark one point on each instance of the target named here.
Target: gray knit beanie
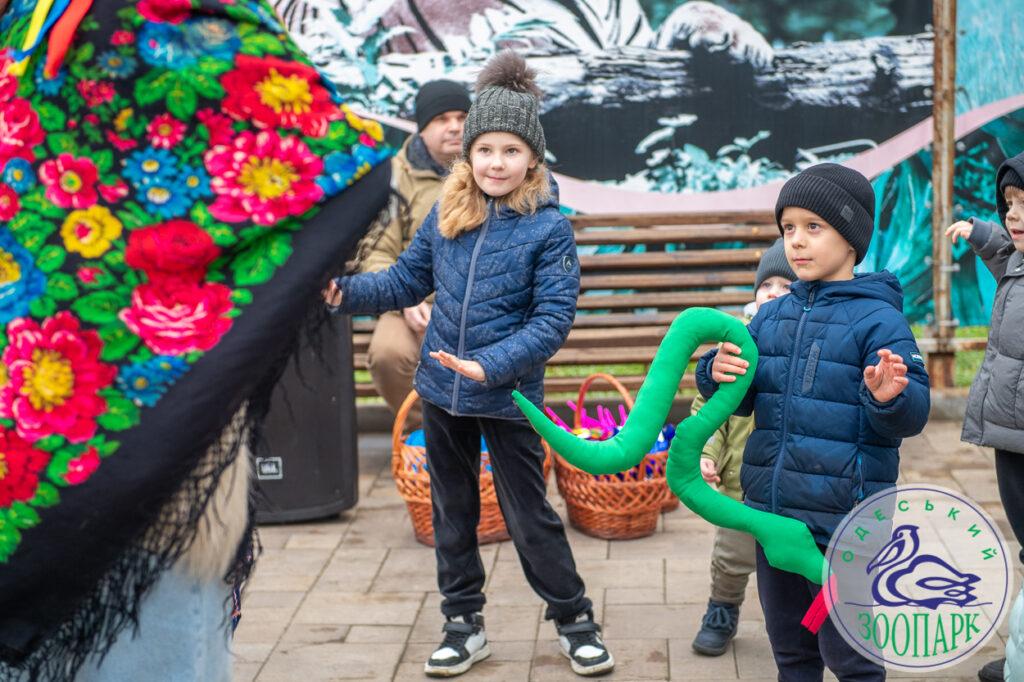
(506, 101)
(840, 195)
(774, 264)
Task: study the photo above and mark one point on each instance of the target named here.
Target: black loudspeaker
(307, 462)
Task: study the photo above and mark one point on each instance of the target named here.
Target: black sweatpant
(453, 456)
(1010, 475)
(799, 655)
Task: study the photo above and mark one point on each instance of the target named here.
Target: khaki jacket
(419, 191)
(725, 449)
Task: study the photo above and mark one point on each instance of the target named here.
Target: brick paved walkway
(354, 598)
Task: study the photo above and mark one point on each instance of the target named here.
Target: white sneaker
(465, 643)
(580, 641)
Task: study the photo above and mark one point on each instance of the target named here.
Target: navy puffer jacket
(821, 442)
(506, 298)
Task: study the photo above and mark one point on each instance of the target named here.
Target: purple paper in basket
(604, 426)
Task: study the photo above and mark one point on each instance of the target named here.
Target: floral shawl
(171, 201)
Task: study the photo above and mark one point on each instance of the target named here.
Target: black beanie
(1008, 175)
(774, 264)
(841, 196)
(437, 97)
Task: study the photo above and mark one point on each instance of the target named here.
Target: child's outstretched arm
(988, 240)
(556, 286)
(895, 385)
(404, 284)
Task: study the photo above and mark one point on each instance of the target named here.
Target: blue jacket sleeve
(556, 287)
(707, 386)
(906, 414)
(404, 284)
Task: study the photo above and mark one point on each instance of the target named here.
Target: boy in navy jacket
(839, 383)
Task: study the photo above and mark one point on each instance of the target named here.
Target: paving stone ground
(355, 597)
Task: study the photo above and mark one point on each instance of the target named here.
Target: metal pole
(940, 361)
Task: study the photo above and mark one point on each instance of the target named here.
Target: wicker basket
(616, 506)
(413, 482)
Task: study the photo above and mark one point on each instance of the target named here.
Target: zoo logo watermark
(922, 577)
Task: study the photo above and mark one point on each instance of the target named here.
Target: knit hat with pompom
(506, 101)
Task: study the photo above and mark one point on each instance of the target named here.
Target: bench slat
(649, 219)
(668, 281)
(578, 338)
(619, 355)
(693, 234)
(668, 299)
(671, 259)
(602, 320)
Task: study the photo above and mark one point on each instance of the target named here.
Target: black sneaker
(992, 671)
(580, 641)
(717, 628)
(464, 644)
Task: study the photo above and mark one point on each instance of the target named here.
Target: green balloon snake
(788, 544)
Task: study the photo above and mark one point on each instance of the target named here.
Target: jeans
(183, 636)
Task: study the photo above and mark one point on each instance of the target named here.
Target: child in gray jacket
(995, 406)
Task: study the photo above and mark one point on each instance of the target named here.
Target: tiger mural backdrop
(660, 105)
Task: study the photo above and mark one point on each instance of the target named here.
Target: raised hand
(467, 368)
(888, 378)
(961, 228)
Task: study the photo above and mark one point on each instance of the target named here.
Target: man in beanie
(417, 172)
(993, 417)
(732, 556)
(839, 383)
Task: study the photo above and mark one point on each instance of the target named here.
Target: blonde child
(502, 261)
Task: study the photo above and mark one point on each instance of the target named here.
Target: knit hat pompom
(506, 101)
(509, 70)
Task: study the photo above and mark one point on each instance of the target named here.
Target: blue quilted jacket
(506, 298)
(821, 442)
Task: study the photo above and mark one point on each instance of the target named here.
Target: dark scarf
(420, 158)
(164, 225)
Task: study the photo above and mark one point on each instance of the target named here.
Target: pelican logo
(922, 577)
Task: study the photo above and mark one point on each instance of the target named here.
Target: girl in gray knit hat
(502, 261)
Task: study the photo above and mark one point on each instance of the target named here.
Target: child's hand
(888, 378)
(709, 471)
(467, 368)
(727, 362)
(332, 294)
(959, 229)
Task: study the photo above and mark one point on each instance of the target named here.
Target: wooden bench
(637, 273)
